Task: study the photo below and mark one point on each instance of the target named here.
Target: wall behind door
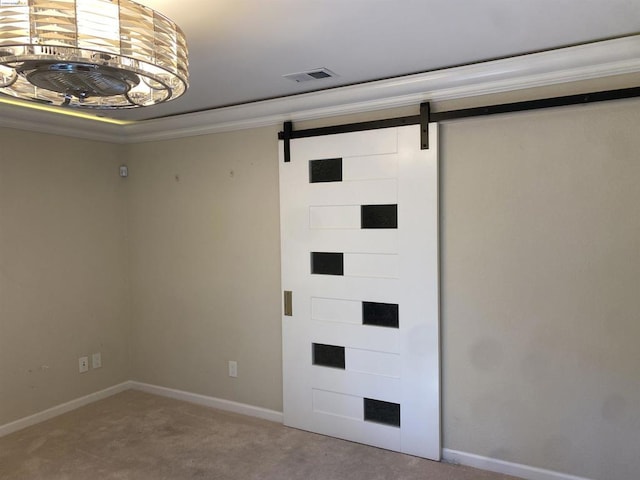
(540, 283)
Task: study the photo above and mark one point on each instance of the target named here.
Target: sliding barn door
(359, 226)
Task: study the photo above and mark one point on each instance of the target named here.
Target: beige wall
(205, 270)
(540, 288)
(540, 275)
(63, 270)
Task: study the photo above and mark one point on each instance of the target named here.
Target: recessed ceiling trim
(21, 118)
(584, 62)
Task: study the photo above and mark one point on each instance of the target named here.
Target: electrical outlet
(96, 360)
(233, 368)
(83, 364)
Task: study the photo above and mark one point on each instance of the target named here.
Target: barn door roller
(423, 119)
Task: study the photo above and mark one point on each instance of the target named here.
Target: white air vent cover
(316, 74)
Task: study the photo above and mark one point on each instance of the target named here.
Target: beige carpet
(137, 436)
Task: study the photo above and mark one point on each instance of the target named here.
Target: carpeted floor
(137, 436)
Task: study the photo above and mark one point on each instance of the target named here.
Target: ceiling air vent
(316, 74)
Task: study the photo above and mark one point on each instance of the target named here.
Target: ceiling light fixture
(94, 54)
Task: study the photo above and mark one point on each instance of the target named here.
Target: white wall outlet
(233, 368)
(96, 360)
(83, 364)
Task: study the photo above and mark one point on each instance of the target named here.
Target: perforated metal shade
(90, 53)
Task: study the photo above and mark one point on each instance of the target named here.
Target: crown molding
(572, 64)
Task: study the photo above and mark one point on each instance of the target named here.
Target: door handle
(288, 303)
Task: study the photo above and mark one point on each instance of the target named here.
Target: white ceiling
(239, 49)
(387, 53)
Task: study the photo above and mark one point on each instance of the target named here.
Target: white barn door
(360, 326)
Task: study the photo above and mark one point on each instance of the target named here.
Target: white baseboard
(500, 466)
(207, 401)
(213, 402)
(62, 408)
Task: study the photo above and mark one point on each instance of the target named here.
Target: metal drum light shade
(99, 54)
